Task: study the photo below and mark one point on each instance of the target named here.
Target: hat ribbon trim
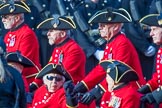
(44, 22)
(72, 25)
(130, 70)
(141, 20)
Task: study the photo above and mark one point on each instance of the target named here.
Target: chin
(52, 90)
(51, 43)
(7, 27)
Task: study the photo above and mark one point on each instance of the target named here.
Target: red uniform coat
(118, 48)
(156, 80)
(72, 57)
(125, 97)
(44, 99)
(24, 40)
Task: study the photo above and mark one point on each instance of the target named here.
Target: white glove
(150, 51)
(93, 32)
(99, 54)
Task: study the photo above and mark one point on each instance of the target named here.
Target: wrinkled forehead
(55, 30)
(155, 28)
(109, 24)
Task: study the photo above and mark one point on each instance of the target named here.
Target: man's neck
(17, 25)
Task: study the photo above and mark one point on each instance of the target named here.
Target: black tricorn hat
(19, 58)
(57, 22)
(14, 7)
(152, 20)
(119, 71)
(111, 15)
(54, 68)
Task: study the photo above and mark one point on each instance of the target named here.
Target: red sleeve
(94, 77)
(153, 82)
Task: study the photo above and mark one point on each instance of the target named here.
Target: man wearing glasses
(55, 93)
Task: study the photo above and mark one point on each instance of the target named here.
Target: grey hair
(21, 17)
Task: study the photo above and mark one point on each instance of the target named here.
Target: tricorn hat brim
(57, 22)
(152, 20)
(19, 58)
(54, 68)
(119, 71)
(111, 15)
(15, 8)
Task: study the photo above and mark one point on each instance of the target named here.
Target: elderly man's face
(8, 21)
(55, 36)
(53, 81)
(107, 31)
(156, 34)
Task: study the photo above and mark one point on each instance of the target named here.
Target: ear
(63, 33)
(117, 27)
(17, 17)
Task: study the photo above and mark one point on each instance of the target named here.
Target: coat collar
(19, 26)
(113, 37)
(65, 41)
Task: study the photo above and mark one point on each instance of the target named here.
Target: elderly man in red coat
(153, 88)
(66, 50)
(52, 94)
(118, 47)
(20, 37)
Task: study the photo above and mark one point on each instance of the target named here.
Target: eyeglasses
(51, 78)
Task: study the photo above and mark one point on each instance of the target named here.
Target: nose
(48, 33)
(151, 33)
(54, 80)
(100, 26)
(3, 19)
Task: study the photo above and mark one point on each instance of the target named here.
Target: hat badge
(55, 22)
(160, 19)
(160, 22)
(109, 18)
(11, 8)
(55, 25)
(109, 14)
